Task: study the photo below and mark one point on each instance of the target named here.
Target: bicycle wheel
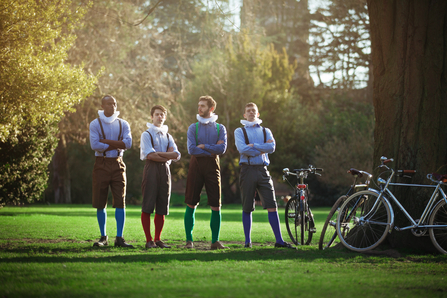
(309, 226)
(363, 221)
(292, 219)
(439, 236)
(294, 223)
(329, 230)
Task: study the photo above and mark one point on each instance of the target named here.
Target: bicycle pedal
(313, 230)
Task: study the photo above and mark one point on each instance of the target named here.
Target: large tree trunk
(409, 54)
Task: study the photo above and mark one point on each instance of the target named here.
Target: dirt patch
(392, 253)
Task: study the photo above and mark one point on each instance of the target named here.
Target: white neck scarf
(202, 120)
(110, 119)
(156, 129)
(251, 124)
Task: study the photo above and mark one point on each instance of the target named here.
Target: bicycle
(366, 217)
(329, 231)
(299, 218)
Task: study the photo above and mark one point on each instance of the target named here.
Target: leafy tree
(243, 71)
(36, 88)
(145, 52)
(34, 80)
(340, 44)
(24, 162)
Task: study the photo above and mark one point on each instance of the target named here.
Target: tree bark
(409, 54)
(61, 173)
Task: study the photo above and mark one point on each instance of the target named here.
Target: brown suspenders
(120, 138)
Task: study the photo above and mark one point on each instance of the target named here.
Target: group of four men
(206, 139)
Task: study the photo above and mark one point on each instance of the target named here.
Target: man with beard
(206, 141)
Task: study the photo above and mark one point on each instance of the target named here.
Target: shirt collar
(251, 124)
(163, 129)
(202, 120)
(110, 119)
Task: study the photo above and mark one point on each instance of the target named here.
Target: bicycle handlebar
(298, 172)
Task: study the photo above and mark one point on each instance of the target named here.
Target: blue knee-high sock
(274, 223)
(101, 214)
(120, 217)
(246, 222)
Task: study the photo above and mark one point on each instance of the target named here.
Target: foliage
(36, 88)
(244, 71)
(335, 134)
(340, 43)
(35, 83)
(146, 59)
(24, 162)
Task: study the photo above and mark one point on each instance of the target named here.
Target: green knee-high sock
(189, 222)
(216, 219)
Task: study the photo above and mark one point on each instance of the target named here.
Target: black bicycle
(328, 235)
(299, 219)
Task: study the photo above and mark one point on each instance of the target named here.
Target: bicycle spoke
(367, 219)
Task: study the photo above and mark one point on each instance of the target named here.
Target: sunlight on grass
(46, 251)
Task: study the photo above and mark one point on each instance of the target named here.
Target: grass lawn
(46, 251)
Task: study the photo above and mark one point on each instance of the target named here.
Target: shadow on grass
(265, 252)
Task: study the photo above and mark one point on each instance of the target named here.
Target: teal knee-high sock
(189, 222)
(216, 219)
(120, 217)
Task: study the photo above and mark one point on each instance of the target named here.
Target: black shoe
(119, 241)
(247, 245)
(103, 241)
(284, 245)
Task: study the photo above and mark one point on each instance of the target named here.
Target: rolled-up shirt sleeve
(218, 149)
(145, 145)
(242, 147)
(266, 147)
(95, 136)
(127, 136)
(191, 143)
(174, 145)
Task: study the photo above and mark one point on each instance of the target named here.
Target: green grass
(46, 251)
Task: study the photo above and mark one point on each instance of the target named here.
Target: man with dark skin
(109, 137)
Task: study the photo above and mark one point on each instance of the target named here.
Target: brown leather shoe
(161, 244)
(103, 241)
(120, 242)
(217, 245)
(189, 244)
(151, 244)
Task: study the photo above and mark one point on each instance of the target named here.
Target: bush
(24, 160)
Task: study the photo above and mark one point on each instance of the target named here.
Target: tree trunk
(61, 173)
(409, 54)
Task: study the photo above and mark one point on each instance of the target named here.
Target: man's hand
(220, 142)
(201, 146)
(269, 141)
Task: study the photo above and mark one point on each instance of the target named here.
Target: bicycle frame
(425, 214)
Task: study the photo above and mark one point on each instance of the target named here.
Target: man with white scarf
(206, 140)
(254, 144)
(158, 149)
(109, 137)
